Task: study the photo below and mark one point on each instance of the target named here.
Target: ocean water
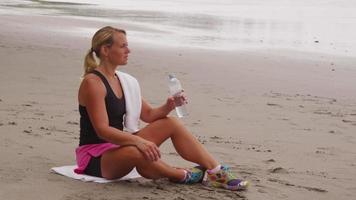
(323, 26)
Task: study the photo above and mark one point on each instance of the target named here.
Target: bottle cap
(171, 76)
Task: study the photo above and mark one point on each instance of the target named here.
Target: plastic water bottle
(175, 88)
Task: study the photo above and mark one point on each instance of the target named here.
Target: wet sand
(283, 120)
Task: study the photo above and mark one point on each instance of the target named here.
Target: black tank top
(115, 108)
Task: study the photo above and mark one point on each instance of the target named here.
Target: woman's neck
(107, 70)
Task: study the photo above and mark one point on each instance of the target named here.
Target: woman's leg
(118, 162)
(184, 142)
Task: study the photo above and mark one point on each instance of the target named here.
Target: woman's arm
(94, 97)
(149, 114)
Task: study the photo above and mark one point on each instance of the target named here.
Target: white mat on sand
(68, 171)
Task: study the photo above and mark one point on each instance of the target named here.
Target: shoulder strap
(102, 77)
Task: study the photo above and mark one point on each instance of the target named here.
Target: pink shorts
(85, 152)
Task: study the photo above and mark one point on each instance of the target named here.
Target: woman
(106, 150)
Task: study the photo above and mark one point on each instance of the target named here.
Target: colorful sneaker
(194, 175)
(224, 179)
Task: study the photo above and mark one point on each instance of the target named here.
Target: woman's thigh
(159, 130)
(117, 162)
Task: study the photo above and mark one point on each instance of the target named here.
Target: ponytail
(103, 36)
(89, 62)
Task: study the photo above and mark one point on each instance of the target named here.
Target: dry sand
(284, 120)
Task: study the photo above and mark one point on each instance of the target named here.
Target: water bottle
(175, 88)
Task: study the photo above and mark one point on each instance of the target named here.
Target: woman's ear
(104, 50)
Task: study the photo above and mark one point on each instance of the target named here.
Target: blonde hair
(104, 36)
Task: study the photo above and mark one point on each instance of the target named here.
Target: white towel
(133, 101)
(68, 171)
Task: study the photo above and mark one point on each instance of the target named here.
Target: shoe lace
(191, 177)
(228, 173)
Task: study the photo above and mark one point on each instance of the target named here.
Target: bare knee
(171, 121)
(133, 153)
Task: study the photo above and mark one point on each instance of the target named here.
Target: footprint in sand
(338, 114)
(219, 99)
(220, 140)
(72, 122)
(278, 170)
(325, 151)
(12, 123)
(62, 141)
(39, 114)
(32, 102)
(261, 190)
(284, 119)
(12, 176)
(286, 183)
(258, 149)
(27, 131)
(349, 121)
(332, 132)
(55, 129)
(46, 130)
(195, 123)
(234, 195)
(322, 112)
(274, 105)
(318, 174)
(269, 161)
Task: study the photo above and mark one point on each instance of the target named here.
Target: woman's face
(119, 51)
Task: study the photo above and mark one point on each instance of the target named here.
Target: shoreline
(189, 30)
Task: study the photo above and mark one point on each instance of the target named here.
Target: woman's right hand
(148, 148)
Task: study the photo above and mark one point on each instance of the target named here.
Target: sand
(283, 120)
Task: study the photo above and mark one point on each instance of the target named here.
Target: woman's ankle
(215, 169)
(210, 164)
(180, 175)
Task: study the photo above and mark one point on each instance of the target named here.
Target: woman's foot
(193, 175)
(224, 179)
